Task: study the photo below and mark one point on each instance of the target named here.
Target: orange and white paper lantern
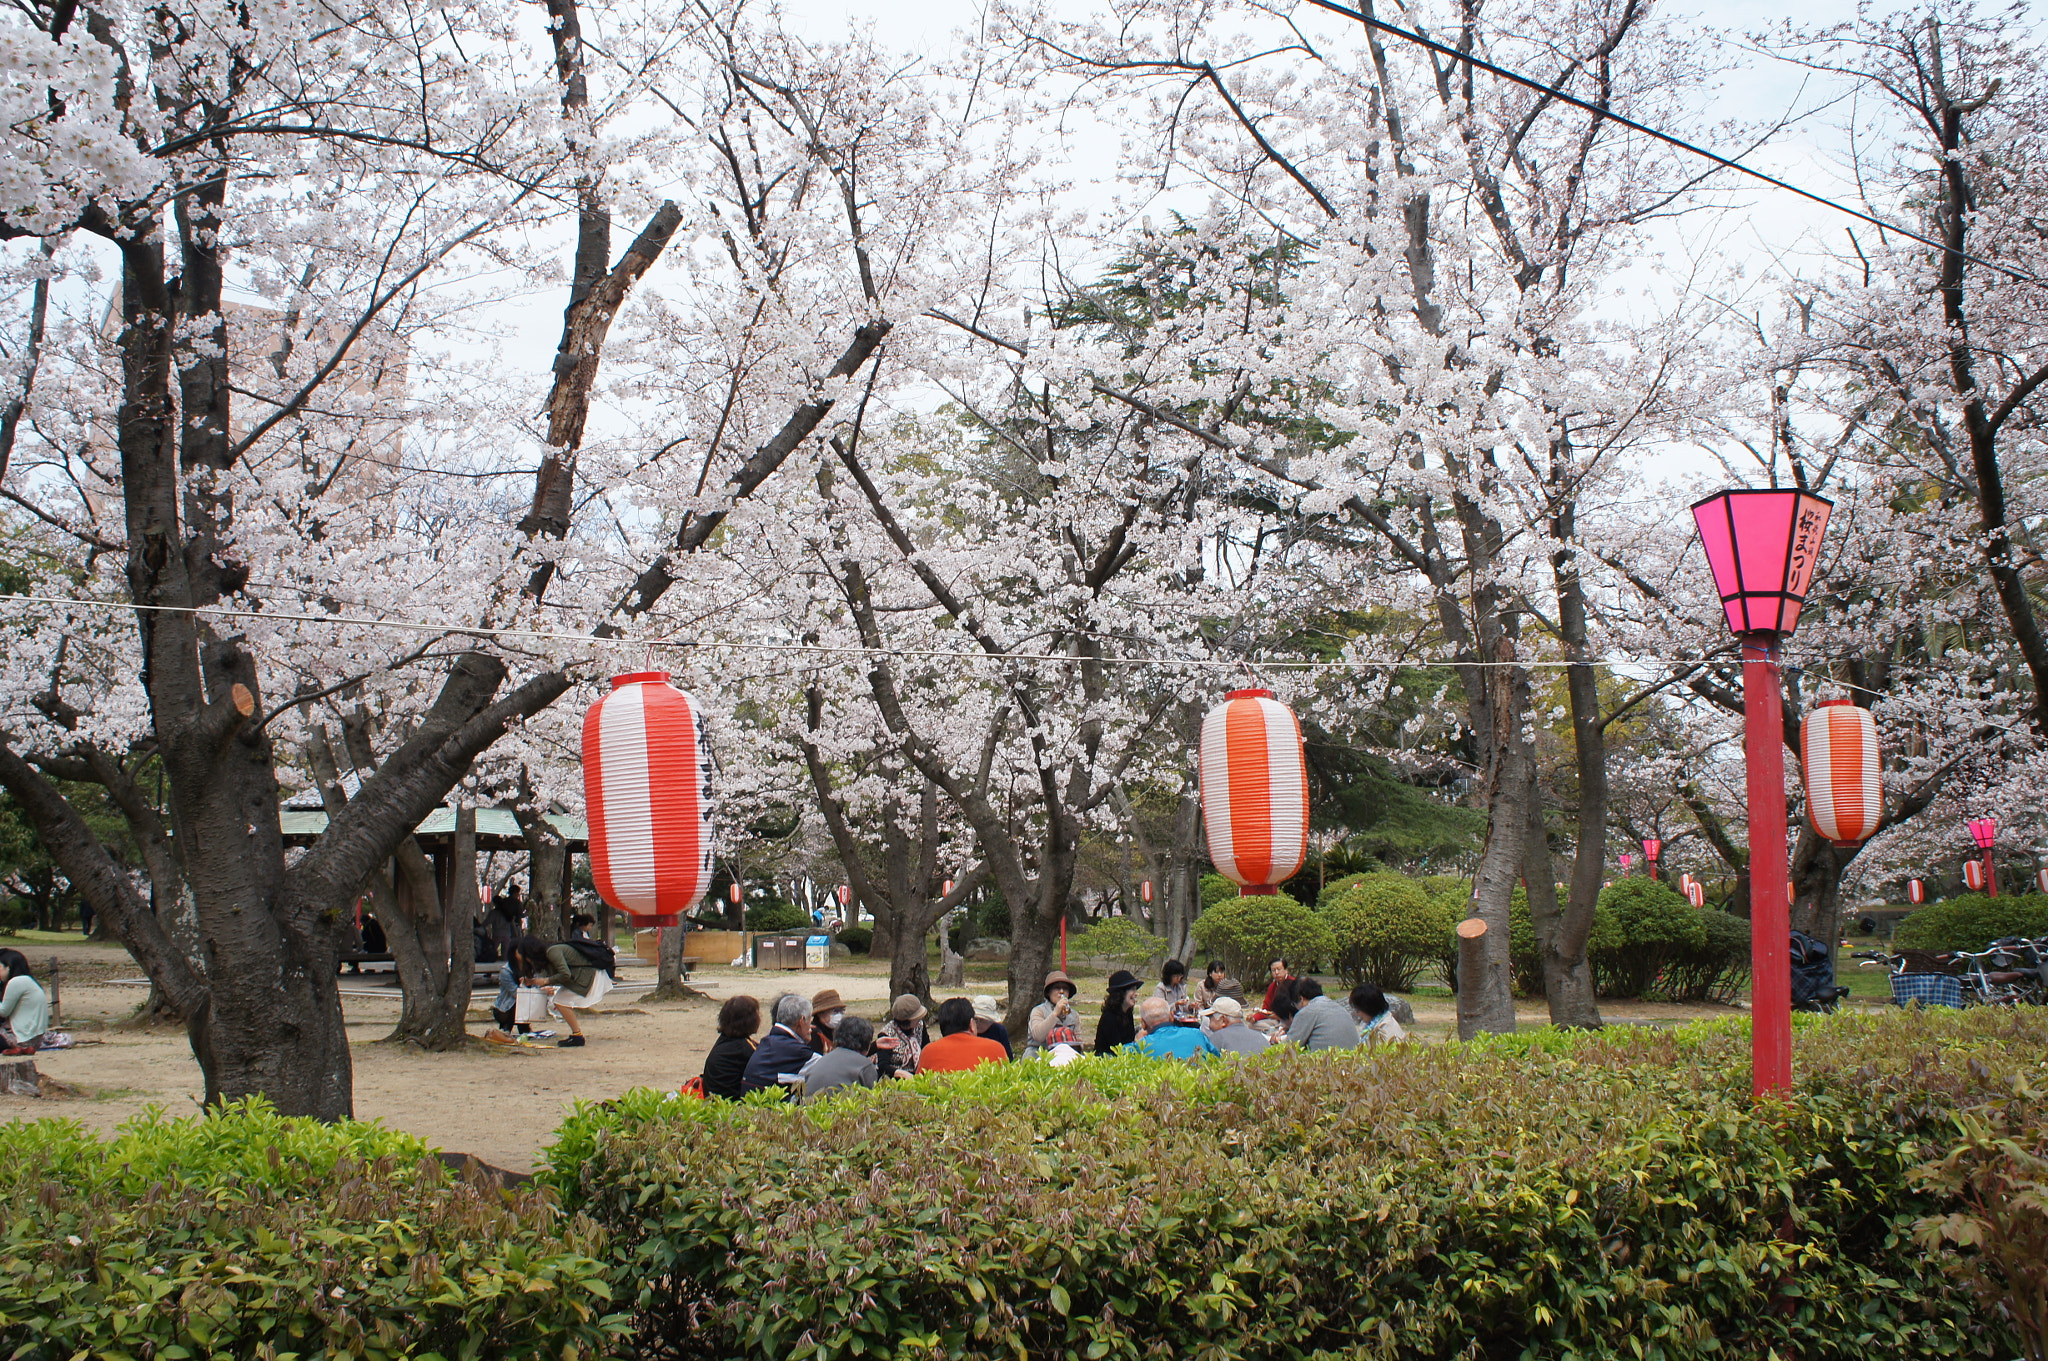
(1254, 791)
(1973, 875)
(1838, 751)
(1916, 891)
(647, 790)
(1695, 894)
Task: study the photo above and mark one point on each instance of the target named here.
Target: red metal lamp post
(1984, 831)
(1652, 848)
(1763, 546)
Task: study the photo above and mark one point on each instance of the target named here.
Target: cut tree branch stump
(18, 1077)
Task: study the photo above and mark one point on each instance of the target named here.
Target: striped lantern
(1838, 752)
(1254, 791)
(1916, 891)
(647, 788)
(1695, 894)
(1145, 890)
(2041, 879)
(1973, 875)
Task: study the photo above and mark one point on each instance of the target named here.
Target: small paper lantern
(647, 791)
(2041, 879)
(1973, 875)
(1838, 755)
(1254, 782)
(1916, 892)
(1145, 890)
(1695, 894)
(947, 891)
(732, 890)
(845, 894)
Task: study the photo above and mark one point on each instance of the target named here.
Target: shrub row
(1972, 922)
(245, 1234)
(1601, 1196)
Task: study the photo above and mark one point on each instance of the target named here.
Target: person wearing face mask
(827, 1011)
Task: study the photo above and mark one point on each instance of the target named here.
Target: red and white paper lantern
(1695, 894)
(1838, 753)
(1973, 875)
(2041, 879)
(1916, 891)
(647, 791)
(1145, 891)
(732, 890)
(1254, 781)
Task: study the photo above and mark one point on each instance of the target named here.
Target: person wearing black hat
(1117, 1025)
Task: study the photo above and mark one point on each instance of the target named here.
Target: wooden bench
(690, 962)
(355, 961)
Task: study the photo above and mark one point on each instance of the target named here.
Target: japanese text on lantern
(1805, 550)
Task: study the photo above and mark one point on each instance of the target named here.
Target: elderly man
(1223, 1020)
(783, 1052)
(1162, 1039)
(1321, 1023)
(960, 1048)
(848, 1065)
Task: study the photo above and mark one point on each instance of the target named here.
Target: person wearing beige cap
(903, 1036)
(826, 1012)
(988, 1023)
(1223, 1019)
(1054, 1021)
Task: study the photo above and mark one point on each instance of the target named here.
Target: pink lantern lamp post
(1763, 546)
(1984, 831)
(1652, 848)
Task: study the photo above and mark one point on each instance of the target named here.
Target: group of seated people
(814, 1046)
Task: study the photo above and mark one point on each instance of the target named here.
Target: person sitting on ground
(1272, 1021)
(1054, 1021)
(1118, 1024)
(903, 1036)
(850, 1064)
(1224, 1018)
(1165, 1040)
(1279, 977)
(784, 1051)
(1172, 989)
(582, 927)
(1217, 982)
(1376, 1019)
(1322, 1023)
(958, 1048)
(574, 982)
(988, 1023)
(24, 1006)
(726, 1065)
(826, 1010)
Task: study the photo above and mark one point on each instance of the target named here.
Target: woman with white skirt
(575, 982)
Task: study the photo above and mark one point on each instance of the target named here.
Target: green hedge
(1248, 933)
(244, 1234)
(777, 916)
(1971, 922)
(1613, 1195)
(1386, 929)
(856, 939)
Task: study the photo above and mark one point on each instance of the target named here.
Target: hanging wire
(1670, 139)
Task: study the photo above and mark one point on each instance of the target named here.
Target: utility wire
(1557, 93)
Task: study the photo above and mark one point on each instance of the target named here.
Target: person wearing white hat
(1223, 1019)
(988, 1023)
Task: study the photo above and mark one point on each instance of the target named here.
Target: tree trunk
(1486, 993)
(1567, 979)
(952, 966)
(909, 972)
(547, 860)
(432, 942)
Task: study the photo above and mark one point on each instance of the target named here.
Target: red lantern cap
(1983, 831)
(1762, 546)
(1651, 847)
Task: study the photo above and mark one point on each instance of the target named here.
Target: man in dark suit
(785, 1049)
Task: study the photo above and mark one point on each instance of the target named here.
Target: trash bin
(818, 952)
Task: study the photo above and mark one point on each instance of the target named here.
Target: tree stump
(18, 1077)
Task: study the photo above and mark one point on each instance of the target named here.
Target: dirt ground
(501, 1104)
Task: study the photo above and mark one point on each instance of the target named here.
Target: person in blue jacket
(1165, 1040)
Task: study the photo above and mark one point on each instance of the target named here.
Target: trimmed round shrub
(1121, 940)
(856, 938)
(1215, 889)
(1386, 930)
(776, 916)
(1714, 971)
(1641, 926)
(1971, 922)
(1247, 933)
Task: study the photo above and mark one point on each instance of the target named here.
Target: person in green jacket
(24, 1006)
(573, 981)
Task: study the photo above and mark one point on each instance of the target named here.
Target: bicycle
(2004, 986)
